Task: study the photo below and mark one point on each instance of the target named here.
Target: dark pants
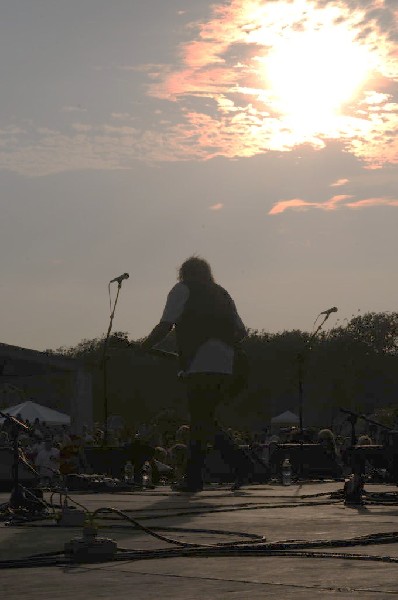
(205, 391)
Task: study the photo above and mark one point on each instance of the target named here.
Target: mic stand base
(17, 498)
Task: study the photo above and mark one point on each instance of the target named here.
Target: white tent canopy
(30, 410)
(285, 418)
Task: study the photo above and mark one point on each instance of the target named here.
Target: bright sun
(310, 75)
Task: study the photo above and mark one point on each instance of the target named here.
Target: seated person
(73, 458)
(178, 460)
(47, 462)
(326, 439)
(364, 440)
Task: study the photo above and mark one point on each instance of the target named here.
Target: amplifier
(307, 460)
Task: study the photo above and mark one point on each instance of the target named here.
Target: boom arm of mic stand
(314, 334)
(386, 427)
(154, 351)
(15, 422)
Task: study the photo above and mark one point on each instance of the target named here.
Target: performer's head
(195, 268)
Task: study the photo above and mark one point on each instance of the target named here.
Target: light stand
(105, 357)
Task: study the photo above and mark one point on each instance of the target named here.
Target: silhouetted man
(207, 327)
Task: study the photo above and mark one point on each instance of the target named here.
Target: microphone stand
(352, 420)
(300, 363)
(17, 498)
(104, 365)
(301, 357)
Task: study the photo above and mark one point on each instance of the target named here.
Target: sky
(261, 135)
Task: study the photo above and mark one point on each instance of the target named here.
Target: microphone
(349, 412)
(122, 277)
(329, 311)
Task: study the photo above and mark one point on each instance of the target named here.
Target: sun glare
(271, 76)
(310, 75)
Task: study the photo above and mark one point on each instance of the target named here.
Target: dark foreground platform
(297, 512)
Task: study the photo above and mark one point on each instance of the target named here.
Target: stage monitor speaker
(307, 460)
(111, 460)
(106, 461)
(218, 471)
(27, 477)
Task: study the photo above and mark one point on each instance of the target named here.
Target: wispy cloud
(73, 108)
(120, 116)
(37, 151)
(217, 206)
(373, 202)
(334, 203)
(339, 182)
(297, 203)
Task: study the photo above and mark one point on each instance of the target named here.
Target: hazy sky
(261, 135)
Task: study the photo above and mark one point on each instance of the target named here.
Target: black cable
(217, 551)
(68, 497)
(151, 531)
(294, 548)
(251, 536)
(286, 548)
(246, 506)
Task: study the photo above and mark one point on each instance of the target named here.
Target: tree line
(352, 366)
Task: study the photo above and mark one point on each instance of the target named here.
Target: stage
(296, 512)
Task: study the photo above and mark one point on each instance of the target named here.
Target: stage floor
(273, 511)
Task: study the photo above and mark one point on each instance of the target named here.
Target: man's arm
(176, 300)
(240, 329)
(157, 334)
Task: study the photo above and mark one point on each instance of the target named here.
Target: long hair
(195, 268)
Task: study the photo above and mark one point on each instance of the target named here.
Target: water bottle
(286, 472)
(147, 475)
(128, 472)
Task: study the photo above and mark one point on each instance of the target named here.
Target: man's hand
(138, 348)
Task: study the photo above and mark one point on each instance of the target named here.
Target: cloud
(80, 127)
(334, 203)
(224, 69)
(71, 109)
(120, 116)
(217, 206)
(217, 101)
(373, 202)
(37, 151)
(283, 205)
(339, 182)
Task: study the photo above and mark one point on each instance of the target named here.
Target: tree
(353, 367)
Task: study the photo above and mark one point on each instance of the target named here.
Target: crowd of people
(54, 451)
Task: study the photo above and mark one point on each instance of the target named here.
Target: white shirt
(214, 356)
(48, 462)
(35, 448)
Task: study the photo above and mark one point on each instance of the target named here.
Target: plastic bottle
(128, 472)
(147, 475)
(286, 472)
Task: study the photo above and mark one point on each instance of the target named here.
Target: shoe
(236, 486)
